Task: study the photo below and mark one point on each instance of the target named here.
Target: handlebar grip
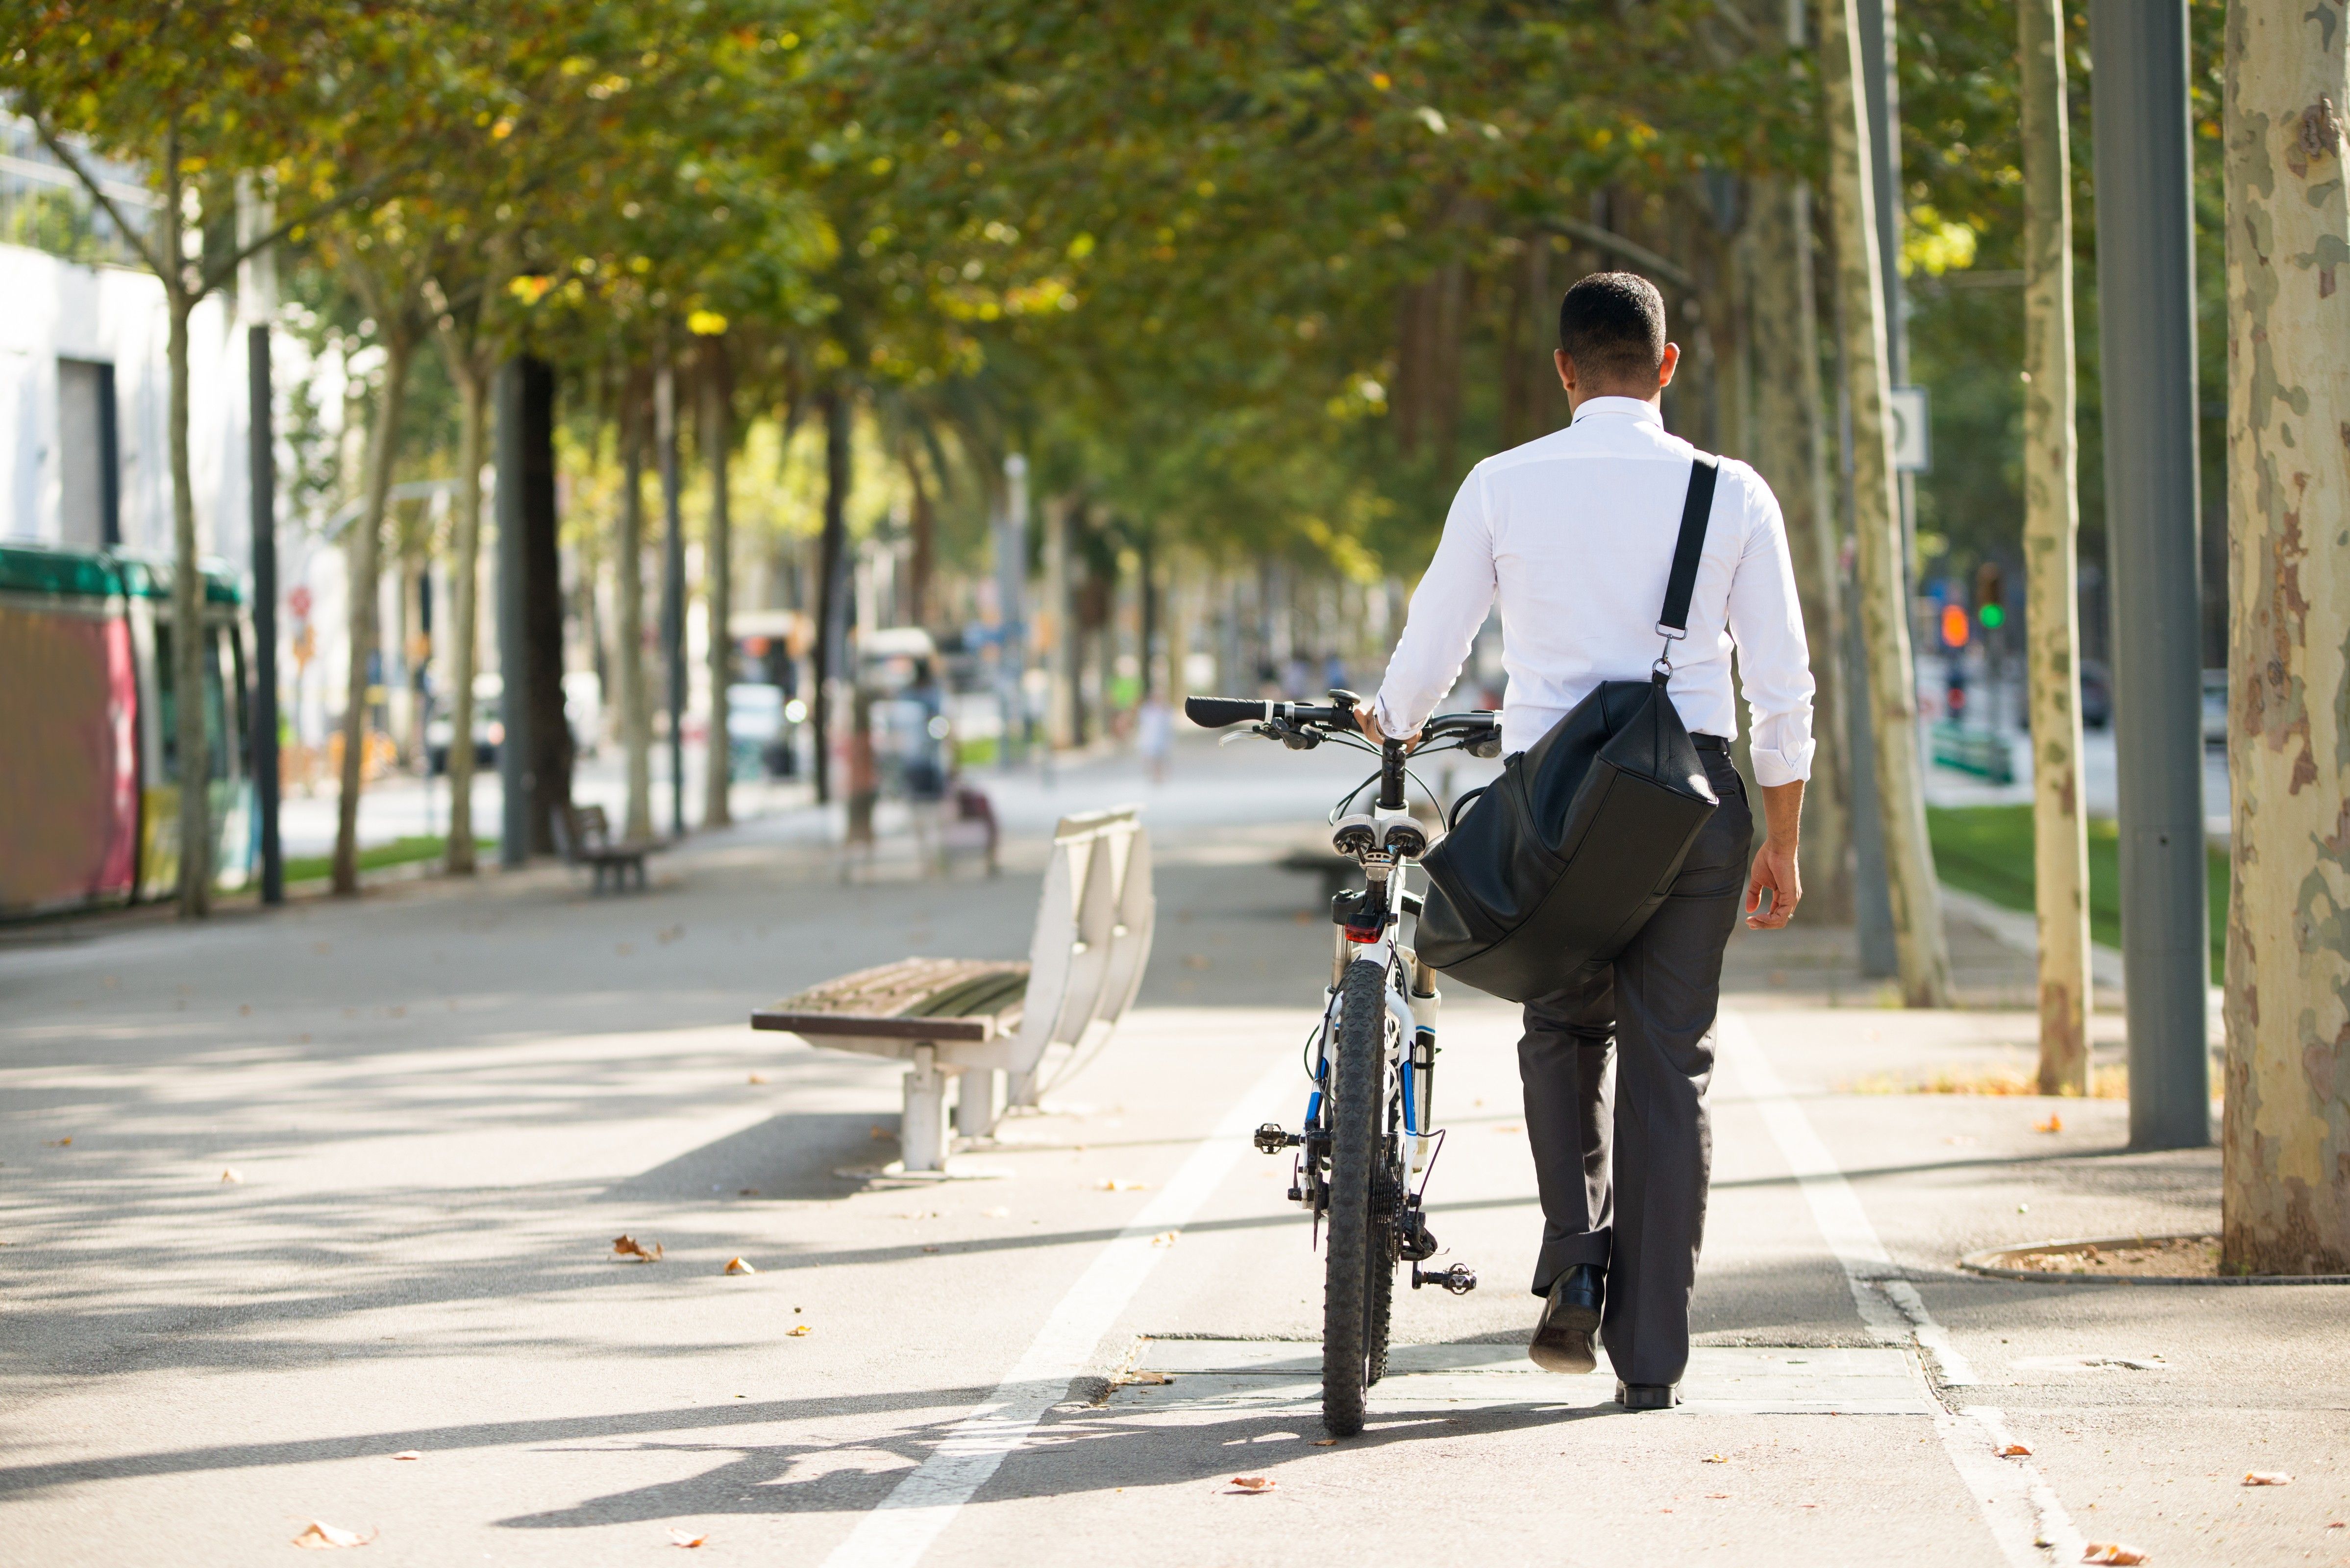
(1216, 712)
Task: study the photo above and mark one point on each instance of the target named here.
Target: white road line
(2021, 1508)
(898, 1532)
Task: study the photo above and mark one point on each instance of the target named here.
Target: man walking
(1574, 533)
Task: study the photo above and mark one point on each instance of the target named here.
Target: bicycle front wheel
(1354, 1248)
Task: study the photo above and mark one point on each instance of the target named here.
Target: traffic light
(1991, 597)
(1954, 626)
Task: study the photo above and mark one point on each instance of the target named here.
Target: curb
(1990, 1263)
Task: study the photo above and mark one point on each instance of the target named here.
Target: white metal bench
(975, 1018)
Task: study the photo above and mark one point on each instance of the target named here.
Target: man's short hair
(1612, 324)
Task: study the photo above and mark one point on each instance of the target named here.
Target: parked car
(489, 726)
(2215, 707)
(2096, 695)
(759, 730)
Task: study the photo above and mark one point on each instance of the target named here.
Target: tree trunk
(2285, 1203)
(188, 642)
(924, 565)
(2052, 525)
(466, 588)
(1790, 437)
(364, 551)
(1060, 628)
(628, 575)
(1917, 935)
(718, 592)
(832, 556)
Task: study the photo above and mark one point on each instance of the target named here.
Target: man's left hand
(1775, 872)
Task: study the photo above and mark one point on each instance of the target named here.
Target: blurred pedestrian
(1154, 734)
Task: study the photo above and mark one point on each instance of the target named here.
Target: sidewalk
(443, 1102)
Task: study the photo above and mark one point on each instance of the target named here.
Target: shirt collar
(1640, 409)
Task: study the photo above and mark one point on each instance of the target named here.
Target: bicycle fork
(1413, 1060)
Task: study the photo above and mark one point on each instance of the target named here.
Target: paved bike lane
(1809, 1437)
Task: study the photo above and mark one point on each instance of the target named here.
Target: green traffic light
(1993, 615)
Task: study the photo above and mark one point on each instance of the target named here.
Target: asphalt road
(440, 1105)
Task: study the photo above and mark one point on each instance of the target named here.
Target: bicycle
(1372, 1059)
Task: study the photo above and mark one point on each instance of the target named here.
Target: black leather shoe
(1563, 1339)
(1648, 1395)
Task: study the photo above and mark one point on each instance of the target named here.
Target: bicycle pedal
(1273, 1138)
(1460, 1279)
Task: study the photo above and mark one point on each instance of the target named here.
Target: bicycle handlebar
(1220, 712)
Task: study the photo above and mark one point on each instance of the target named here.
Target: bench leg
(922, 1131)
(975, 1106)
(1020, 1090)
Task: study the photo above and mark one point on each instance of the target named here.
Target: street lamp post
(2145, 302)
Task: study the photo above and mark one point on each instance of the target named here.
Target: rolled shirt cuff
(1774, 768)
(1386, 713)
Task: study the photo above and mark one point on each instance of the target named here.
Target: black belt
(1712, 743)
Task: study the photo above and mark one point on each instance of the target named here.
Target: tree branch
(50, 140)
(1631, 250)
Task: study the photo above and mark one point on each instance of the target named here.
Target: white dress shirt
(1576, 533)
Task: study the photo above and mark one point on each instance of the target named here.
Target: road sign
(1912, 454)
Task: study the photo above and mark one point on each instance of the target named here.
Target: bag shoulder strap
(1697, 507)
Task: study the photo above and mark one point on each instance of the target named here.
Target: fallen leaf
(680, 1538)
(1509, 1127)
(2013, 1451)
(876, 1134)
(231, 1175)
(627, 1247)
(1150, 1379)
(2054, 1124)
(56, 1142)
(2267, 1478)
(323, 1537)
(1254, 1483)
(798, 1331)
(1112, 1184)
(738, 1266)
(1716, 1460)
(1325, 1442)
(930, 1249)
(1164, 1239)
(408, 1454)
(1717, 1494)
(746, 1192)
(2112, 1551)
(758, 1077)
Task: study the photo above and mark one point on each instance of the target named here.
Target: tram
(89, 771)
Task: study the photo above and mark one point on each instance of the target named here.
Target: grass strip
(1987, 851)
(398, 852)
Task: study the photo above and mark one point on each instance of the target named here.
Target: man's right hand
(1367, 719)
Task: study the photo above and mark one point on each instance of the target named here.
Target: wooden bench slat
(913, 999)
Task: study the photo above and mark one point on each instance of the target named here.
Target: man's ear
(1670, 362)
(1565, 367)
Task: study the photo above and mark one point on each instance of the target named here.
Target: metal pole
(515, 778)
(672, 607)
(1012, 589)
(262, 460)
(2145, 302)
(256, 288)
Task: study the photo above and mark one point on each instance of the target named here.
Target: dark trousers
(1615, 1066)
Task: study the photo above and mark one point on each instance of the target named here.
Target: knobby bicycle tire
(1351, 1248)
(1379, 1261)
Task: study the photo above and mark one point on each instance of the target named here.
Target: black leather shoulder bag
(1559, 863)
